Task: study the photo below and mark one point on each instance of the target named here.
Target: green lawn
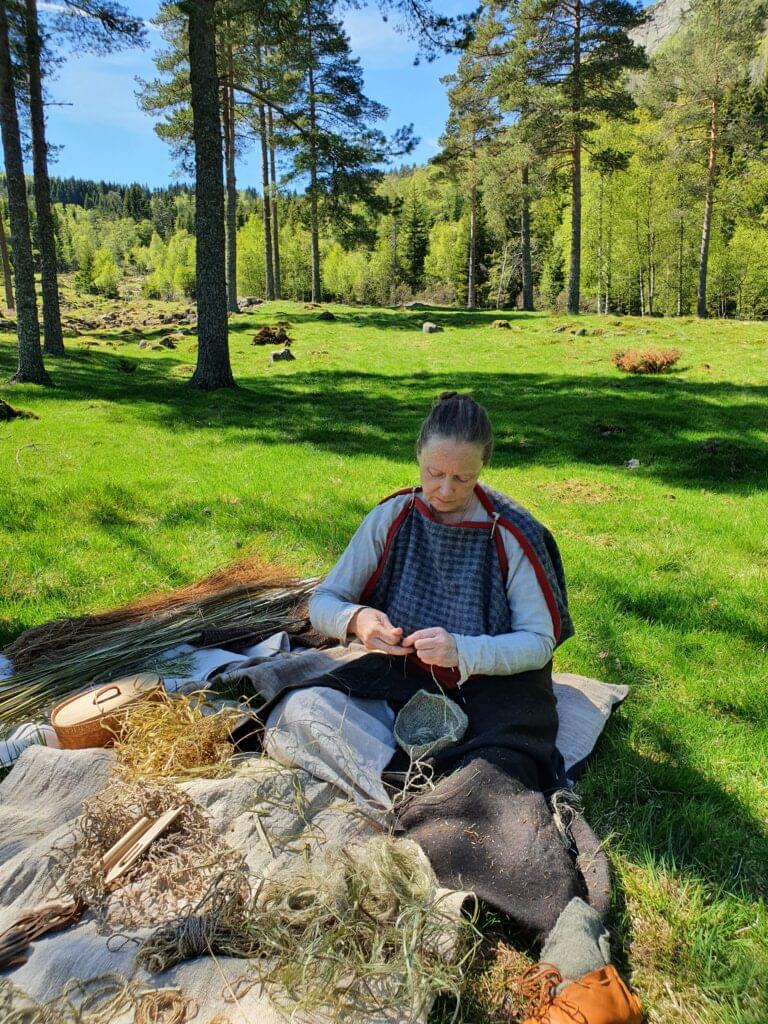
(129, 481)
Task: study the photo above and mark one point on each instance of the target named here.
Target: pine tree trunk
(574, 276)
(53, 339)
(30, 369)
(599, 254)
(472, 274)
(275, 217)
(680, 270)
(7, 279)
(213, 368)
(609, 255)
(525, 242)
(706, 230)
(228, 117)
(317, 289)
(502, 272)
(266, 212)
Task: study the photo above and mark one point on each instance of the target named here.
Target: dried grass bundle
(98, 1001)
(174, 874)
(359, 932)
(60, 657)
(179, 736)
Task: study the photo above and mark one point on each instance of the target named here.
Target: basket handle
(99, 698)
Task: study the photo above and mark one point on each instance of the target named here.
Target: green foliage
(105, 274)
(84, 276)
(172, 267)
(294, 257)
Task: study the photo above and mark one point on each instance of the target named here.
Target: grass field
(129, 481)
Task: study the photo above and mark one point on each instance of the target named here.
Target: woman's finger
(389, 635)
(384, 620)
(375, 644)
(420, 634)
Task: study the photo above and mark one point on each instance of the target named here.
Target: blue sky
(104, 136)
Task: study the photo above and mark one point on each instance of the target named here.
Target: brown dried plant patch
(649, 360)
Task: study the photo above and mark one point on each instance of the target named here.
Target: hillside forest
(579, 169)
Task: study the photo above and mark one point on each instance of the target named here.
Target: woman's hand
(434, 646)
(374, 630)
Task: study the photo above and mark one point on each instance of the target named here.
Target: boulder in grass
(168, 343)
(429, 328)
(580, 332)
(503, 325)
(325, 314)
(283, 355)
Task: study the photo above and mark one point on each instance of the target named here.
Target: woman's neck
(455, 517)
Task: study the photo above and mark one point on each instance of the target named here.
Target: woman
(453, 587)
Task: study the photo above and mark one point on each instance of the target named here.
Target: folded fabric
(25, 736)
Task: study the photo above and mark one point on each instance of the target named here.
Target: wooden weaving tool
(134, 844)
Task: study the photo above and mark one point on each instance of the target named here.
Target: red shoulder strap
(529, 553)
(400, 493)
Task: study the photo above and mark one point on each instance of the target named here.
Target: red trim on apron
(449, 677)
(395, 526)
(532, 557)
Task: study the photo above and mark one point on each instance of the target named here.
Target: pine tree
(335, 143)
(568, 59)
(30, 368)
(693, 76)
(213, 368)
(474, 121)
(100, 26)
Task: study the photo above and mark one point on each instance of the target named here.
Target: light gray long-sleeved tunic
(528, 646)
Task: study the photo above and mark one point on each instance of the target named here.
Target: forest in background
(579, 168)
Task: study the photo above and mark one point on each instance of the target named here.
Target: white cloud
(377, 42)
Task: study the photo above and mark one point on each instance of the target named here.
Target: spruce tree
(414, 237)
(568, 58)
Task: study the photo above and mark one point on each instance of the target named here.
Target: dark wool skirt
(487, 825)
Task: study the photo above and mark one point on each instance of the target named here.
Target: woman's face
(449, 472)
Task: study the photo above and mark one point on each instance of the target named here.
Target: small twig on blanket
(263, 832)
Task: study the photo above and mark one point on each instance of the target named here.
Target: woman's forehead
(451, 456)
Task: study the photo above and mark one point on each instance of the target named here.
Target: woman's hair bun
(462, 419)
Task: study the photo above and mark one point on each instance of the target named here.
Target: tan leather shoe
(600, 997)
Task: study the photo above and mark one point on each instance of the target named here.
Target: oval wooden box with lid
(92, 718)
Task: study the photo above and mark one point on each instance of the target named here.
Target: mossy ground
(130, 481)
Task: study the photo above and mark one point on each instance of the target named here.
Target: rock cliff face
(664, 19)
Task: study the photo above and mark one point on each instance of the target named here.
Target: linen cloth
(42, 796)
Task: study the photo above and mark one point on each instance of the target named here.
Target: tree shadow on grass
(402, 319)
(540, 419)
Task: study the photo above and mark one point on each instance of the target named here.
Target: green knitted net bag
(428, 723)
